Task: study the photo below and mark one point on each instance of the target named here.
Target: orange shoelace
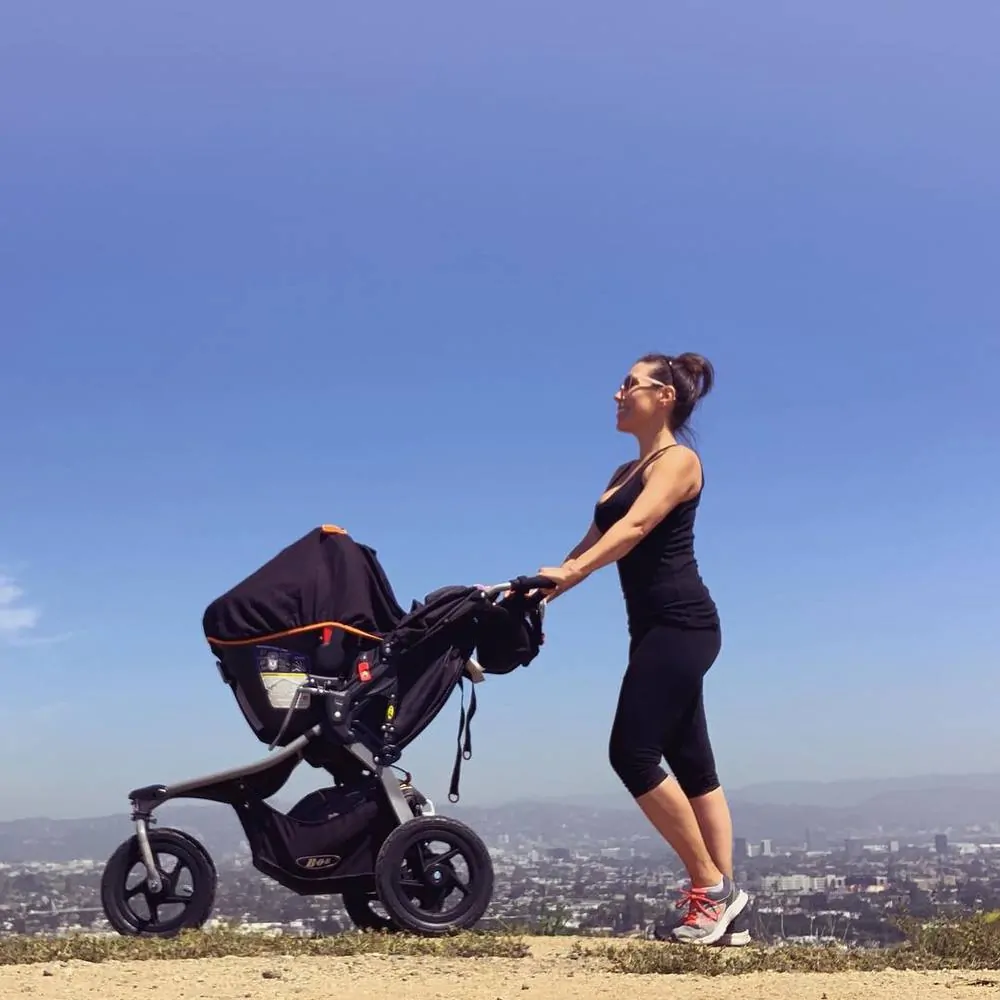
(699, 903)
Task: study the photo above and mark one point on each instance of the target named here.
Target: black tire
(117, 895)
(198, 846)
(413, 883)
(358, 905)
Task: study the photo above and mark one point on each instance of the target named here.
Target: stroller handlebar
(519, 585)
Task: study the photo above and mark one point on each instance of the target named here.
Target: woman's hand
(563, 577)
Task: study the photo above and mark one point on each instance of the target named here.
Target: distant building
(741, 848)
(941, 843)
(816, 840)
(853, 848)
(766, 850)
(801, 883)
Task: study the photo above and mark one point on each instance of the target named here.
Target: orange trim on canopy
(293, 631)
(332, 529)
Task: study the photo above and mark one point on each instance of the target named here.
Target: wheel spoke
(417, 859)
(457, 883)
(170, 879)
(443, 859)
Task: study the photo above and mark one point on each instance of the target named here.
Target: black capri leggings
(661, 713)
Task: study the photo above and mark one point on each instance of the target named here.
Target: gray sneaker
(710, 914)
(736, 936)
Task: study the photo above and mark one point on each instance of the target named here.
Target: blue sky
(384, 266)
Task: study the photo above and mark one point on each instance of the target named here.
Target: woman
(645, 523)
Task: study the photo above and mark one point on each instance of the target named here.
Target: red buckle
(327, 635)
(364, 671)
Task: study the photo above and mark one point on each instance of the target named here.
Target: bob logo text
(319, 862)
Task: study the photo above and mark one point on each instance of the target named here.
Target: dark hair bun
(699, 371)
(692, 377)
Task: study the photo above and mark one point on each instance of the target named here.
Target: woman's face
(642, 399)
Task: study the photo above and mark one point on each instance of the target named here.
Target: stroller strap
(464, 749)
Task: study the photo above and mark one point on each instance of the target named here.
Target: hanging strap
(464, 750)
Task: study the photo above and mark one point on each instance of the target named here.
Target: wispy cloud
(19, 620)
(16, 618)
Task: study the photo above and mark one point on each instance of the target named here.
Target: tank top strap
(656, 454)
(628, 472)
(619, 474)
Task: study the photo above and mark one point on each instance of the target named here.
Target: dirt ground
(547, 975)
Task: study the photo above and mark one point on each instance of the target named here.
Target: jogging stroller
(328, 669)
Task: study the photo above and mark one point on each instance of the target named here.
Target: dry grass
(226, 943)
(971, 943)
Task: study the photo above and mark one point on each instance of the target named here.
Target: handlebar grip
(522, 584)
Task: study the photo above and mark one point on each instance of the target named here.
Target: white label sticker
(283, 688)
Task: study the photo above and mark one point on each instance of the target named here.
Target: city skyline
(565, 881)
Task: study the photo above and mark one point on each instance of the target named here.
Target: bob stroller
(326, 666)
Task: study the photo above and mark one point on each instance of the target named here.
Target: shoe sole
(731, 939)
(722, 928)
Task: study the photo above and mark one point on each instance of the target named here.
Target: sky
(384, 266)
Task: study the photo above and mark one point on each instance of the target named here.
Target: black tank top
(660, 579)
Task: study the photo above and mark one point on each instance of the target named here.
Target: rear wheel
(186, 896)
(360, 907)
(432, 891)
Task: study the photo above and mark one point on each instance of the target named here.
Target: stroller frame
(403, 818)
(227, 787)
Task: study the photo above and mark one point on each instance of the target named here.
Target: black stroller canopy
(323, 579)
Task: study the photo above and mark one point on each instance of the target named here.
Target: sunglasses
(632, 382)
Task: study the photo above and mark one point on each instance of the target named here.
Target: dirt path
(547, 975)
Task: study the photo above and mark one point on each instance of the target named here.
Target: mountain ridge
(904, 808)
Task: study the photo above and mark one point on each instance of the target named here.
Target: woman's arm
(593, 533)
(671, 478)
(585, 543)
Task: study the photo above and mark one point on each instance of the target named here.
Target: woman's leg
(689, 755)
(670, 811)
(658, 708)
(716, 825)
(654, 702)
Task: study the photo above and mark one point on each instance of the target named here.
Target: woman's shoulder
(687, 458)
(681, 461)
(677, 454)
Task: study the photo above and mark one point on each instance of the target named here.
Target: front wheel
(186, 896)
(416, 884)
